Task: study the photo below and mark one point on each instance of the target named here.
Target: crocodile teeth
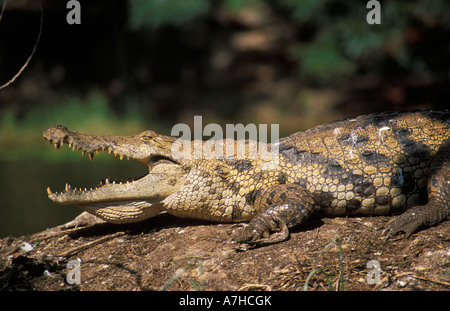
(49, 191)
(56, 146)
(91, 156)
(68, 188)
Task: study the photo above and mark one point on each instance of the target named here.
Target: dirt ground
(177, 254)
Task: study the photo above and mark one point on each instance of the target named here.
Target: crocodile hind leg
(281, 207)
(438, 207)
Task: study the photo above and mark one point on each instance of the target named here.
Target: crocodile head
(128, 201)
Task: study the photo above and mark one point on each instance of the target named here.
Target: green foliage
(22, 138)
(304, 9)
(345, 43)
(342, 281)
(157, 13)
(194, 265)
(154, 14)
(236, 5)
(321, 61)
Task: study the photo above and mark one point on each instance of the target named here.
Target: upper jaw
(142, 147)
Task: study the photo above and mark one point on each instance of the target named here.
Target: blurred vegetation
(340, 42)
(345, 44)
(136, 64)
(23, 138)
(156, 14)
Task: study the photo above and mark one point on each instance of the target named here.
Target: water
(24, 205)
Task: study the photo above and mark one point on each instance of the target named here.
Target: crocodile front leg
(438, 207)
(282, 207)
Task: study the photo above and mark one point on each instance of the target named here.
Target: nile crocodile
(378, 164)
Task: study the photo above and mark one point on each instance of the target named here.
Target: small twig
(382, 283)
(32, 52)
(3, 10)
(430, 280)
(46, 236)
(83, 247)
(411, 274)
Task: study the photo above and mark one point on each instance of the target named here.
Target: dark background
(149, 64)
(226, 59)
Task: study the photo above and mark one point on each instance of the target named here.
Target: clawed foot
(407, 223)
(268, 231)
(83, 220)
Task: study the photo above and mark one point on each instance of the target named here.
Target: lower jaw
(124, 211)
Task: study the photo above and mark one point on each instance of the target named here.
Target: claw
(407, 223)
(263, 236)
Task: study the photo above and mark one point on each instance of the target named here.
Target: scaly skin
(378, 164)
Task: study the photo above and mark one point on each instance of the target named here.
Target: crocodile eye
(147, 135)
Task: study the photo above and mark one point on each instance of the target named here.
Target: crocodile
(391, 163)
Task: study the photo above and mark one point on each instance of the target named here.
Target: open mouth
(162, 179)
(151, 163)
